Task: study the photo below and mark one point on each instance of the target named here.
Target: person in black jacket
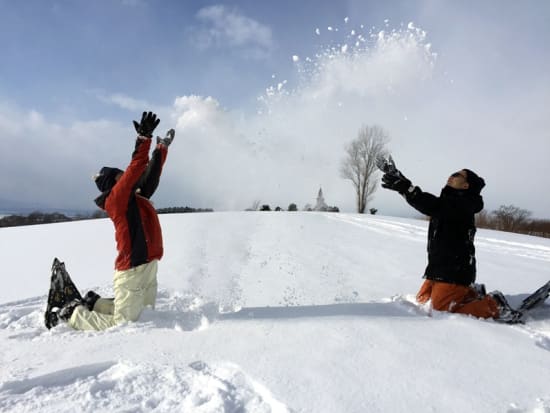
(451, 272)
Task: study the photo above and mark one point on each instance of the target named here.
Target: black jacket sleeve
(423, 202)
(433, 206)
(149, 181)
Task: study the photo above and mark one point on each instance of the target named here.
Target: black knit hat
(105, 180)
(475, 182)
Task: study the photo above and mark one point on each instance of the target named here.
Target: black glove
(396, 183)
(386, 165)
(149, 122)
(167, 140)
(393, 178)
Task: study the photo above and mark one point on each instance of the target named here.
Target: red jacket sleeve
(117, 201)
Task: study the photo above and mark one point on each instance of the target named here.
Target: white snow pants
(134, 289)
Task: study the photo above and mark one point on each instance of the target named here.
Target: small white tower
(320, 206)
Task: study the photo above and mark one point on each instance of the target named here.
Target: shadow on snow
(389, 309)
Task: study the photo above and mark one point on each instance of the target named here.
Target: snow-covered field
(273, 312)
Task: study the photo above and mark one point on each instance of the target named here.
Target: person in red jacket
(125, 198)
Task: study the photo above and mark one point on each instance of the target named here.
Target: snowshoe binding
(506, 314)
(479, 289)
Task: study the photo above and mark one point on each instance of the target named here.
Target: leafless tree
(484, 219)
(255, 206)
(359, 165)
(511, 218)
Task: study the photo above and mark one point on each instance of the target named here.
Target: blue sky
(75, 73)
(64, 54)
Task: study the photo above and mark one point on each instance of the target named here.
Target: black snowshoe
(536, 299)
(63, 297)
(513, 316)
(506, 314)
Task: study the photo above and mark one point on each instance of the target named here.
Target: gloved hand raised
(393, 178)
(149, 122)
(397, 183)
(167, 140)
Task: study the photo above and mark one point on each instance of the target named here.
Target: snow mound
(128, 386)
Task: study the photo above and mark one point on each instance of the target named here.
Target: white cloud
(55, 161)
(295, 143)
(226, 159)
(222, 27)
(197, 112)
(124, 102)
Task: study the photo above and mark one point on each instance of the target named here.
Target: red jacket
(137, 228)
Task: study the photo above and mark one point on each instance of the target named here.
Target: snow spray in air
(294, 141)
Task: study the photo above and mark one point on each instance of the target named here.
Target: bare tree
(359, 165)
(255, 206)
(484, 219)
(511, 218)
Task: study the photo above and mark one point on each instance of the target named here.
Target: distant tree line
(181, 210)
(324, 209)
(291, 208)
(37, 217)
(513, 219)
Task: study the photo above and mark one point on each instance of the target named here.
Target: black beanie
(475, 182)
(105, 180)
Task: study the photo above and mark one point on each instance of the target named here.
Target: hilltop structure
(321, 205)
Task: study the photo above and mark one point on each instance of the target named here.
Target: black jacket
(451, 252)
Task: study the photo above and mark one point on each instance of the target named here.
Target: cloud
(224, 28)
(227, 158)
(123, 101)
(284, 152)
(51, 164)
(196, 112)
(295, 143)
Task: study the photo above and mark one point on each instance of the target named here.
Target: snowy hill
(273, 312)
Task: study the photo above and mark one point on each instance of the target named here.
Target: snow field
(273, 312)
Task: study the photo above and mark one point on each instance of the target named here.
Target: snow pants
(134, 289)
(457, 299)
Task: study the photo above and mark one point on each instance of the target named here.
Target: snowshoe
(67, 311)
(479, 289)
(535, 299)
(506, 314)
(62, 292)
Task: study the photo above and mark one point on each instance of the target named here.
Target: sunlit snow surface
(273, 312)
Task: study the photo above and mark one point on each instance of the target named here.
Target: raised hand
(386, 165)
(393, 179)
(149, 122)
(167, 140)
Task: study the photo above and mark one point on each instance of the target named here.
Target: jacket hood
(475, 200)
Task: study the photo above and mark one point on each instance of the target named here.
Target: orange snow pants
(457, 299)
